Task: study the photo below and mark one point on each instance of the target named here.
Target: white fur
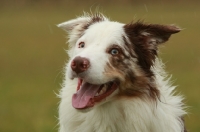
(117, 114)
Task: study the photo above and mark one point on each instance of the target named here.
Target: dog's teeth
(103, 90)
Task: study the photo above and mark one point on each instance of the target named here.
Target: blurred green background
(32, 54)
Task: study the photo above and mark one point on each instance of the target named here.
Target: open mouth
(88, 94)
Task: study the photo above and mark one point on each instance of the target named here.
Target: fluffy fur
(124, 56)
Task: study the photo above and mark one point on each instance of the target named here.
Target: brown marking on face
(144, 56)
(120, 67)
(129, 48)
(112, 72)
(138, 86)
(131, 85)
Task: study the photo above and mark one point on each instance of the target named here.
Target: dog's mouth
(88, 94)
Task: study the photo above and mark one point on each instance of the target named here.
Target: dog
(114, 81)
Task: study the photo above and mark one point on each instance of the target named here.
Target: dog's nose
(80, 64)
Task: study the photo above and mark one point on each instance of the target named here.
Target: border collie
(114, 80)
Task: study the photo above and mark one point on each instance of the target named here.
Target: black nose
(80, 64)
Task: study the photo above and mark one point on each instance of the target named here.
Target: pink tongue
(82, 98)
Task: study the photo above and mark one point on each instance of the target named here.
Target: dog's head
(111, 59)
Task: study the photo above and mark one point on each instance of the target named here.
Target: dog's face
(111, 59)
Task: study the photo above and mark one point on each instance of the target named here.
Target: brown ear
(160, 33)
(145, 39)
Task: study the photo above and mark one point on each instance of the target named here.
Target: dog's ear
(146, 37)
(151, 33)
(75, 28)
(74, 24)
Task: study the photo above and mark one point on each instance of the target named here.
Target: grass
(32, 57)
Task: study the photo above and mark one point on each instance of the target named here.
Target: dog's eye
(81, 45)
(114, 51)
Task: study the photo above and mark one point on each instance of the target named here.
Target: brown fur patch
(145, 38)
(131, 84)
